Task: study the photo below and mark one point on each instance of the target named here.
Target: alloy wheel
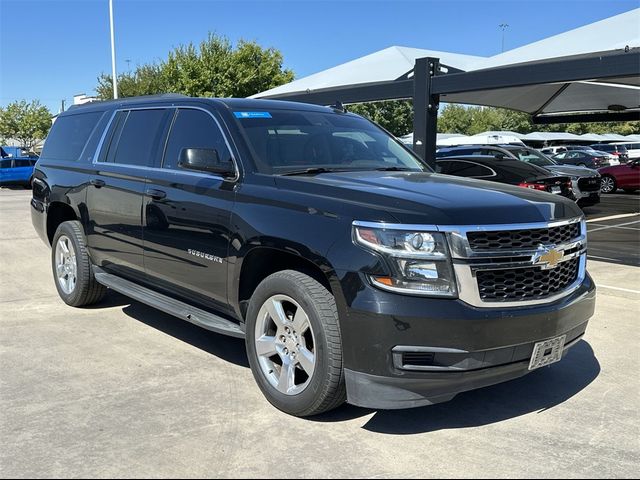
(285, 344)
(66, 265)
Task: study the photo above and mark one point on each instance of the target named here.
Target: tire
(608, 184)
(299, 394)
(582, 164)
(72, 271)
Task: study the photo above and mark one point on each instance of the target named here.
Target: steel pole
(113, 52)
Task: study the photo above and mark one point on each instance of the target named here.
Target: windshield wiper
(315, 171)
(396, 169)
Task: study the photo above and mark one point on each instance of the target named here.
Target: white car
(633, 149)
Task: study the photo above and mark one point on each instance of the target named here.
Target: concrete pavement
(123, 390)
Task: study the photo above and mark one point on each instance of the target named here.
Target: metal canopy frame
(431, 80)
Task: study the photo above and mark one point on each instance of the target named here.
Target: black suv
(351, 269)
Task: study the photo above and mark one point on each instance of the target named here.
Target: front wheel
(294, 344)
(608, 184)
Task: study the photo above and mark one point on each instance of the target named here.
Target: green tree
(25, 121)
(214, 68)
(393, 115)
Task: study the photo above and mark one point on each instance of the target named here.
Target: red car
(625, 176)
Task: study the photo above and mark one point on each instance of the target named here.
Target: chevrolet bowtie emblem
(549, 259)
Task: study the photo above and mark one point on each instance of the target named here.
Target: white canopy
(392, 67)
(383, 66)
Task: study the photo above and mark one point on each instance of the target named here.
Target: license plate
(556, 190)
(547, 352)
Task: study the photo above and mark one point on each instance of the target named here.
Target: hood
(572, 170)
(425, 198)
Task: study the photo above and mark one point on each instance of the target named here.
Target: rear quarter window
(69, 135)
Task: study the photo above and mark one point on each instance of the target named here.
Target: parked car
(582, 158)
(506, 170)
(563, 148)
(619, 151)
(16, 171)
(625, 176)
(633, 149)
(350, 268)
(585, 182)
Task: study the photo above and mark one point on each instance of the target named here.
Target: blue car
(16, 170)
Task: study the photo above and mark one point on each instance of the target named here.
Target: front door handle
(155, 194)
(96, 182)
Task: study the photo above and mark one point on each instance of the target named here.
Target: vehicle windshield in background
(290, 141)
(532, 156)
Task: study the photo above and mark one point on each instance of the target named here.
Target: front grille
(589, 184)
(529, 283)
(526, 238)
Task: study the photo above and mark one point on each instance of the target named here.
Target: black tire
(608, 184)
(87, 290)
(326, 388)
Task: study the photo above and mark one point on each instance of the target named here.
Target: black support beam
(562, 70)
(425, 109)
(393, 90)
(587, 117)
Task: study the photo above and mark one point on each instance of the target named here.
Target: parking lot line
(620, 225)
(613, 217)
(629, 290)
(614, 226)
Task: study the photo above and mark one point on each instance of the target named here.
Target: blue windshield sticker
(252, 114)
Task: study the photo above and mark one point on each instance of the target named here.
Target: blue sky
(50, 50)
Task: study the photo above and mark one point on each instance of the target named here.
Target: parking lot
(121, 389)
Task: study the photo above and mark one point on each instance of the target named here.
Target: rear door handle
(96, 182)
(155, 194)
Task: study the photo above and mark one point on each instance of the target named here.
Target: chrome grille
(526, 283)
(526, 238)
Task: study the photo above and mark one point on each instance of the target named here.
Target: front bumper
(472, 347)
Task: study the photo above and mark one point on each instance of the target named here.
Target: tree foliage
(27, 122)
(214, 68)
(397, 117)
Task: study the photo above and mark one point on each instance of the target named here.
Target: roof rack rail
(132, 99)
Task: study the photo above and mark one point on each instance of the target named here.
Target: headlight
(419, 260)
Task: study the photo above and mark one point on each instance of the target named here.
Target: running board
(169, 305)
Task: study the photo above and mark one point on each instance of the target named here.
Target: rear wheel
(294, 344)
(608, 184)
(71, 266)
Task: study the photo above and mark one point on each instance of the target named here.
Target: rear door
(187, 214)
(6, 165)
(114, 196)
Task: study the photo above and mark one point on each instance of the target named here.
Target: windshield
(287, 141)
(532, 156)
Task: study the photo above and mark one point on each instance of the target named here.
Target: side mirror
(205, 160)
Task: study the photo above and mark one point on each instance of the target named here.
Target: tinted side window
(468, 169)
(23, 163)
(5, 163)
(194, 129)
(69, 134)
(139, 140)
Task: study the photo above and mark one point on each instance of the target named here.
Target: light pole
(113, 52)
(503, 26)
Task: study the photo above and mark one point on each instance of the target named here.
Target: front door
(187, 215)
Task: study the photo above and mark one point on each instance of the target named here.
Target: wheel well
(58, 213)
(262, 262)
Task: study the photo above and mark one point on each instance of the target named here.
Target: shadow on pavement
(536, 392)
(229, 349)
